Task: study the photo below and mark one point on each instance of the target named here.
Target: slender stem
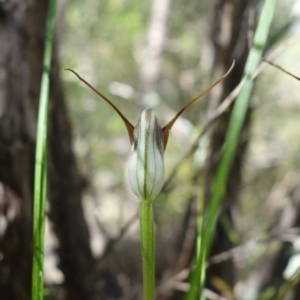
(148, 248)
(40, 181)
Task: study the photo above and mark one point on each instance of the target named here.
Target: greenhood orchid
(149, 141)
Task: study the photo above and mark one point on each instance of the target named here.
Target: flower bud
(149, 140)
(146, 164)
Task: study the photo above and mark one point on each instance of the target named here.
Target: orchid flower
(146, 174)
(149, 141)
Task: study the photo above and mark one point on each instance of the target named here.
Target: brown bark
(229, 36)
(22, 33)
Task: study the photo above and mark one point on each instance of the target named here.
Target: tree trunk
(22, 36)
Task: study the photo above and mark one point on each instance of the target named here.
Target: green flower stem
(148, 248)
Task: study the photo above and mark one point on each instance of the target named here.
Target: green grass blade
(40, 179)
(231, 140)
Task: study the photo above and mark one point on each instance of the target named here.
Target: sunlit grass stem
(40, 180)
(197, 280)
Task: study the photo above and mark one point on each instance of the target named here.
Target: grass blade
(40, 180)
(232, 136)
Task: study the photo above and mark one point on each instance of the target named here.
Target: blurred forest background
(157, 54)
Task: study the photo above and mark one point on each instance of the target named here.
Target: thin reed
(40, 180)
